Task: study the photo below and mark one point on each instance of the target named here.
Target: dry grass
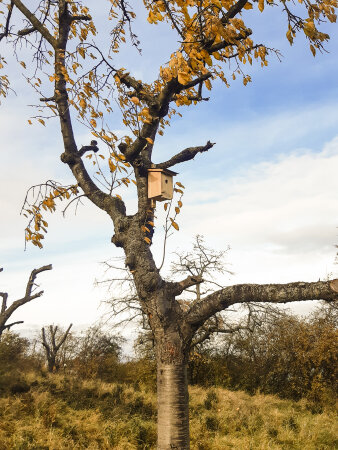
(59, 412)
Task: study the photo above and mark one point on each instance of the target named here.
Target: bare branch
(188, 282)
(4, 296)
(8, 19)
(26, 31)
(185, 155)
(7, 327)
(201, 310)
(6, 313)
(80, 17)
(35, 22)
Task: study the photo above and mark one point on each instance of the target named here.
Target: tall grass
(61, 412)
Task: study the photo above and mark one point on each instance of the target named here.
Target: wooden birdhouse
(160, 184)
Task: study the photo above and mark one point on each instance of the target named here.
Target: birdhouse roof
(165, 171)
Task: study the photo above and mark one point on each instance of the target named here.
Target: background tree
(6, 311)
(98, 354)
(13, 361)
(285, 355)
(52, 341)
(210, 34)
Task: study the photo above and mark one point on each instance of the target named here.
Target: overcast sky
(268, 188)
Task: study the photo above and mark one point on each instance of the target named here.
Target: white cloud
(280, 217)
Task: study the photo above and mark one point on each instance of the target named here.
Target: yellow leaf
(93, 122)
(42, 121)
(148, 241)
(183, 77)
(261, 5)
(135, 100)
(83, 103)
(166, 206)
(82, 52)
(180, 204)
(208, 84)
(289, 36)
(180, 184)
(150, 141)
(174, 224)
(313, 50)
(248, 5)
(177, 210)
(30, 122)
(23, 64)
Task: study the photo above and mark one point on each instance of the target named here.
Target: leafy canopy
(213, 43)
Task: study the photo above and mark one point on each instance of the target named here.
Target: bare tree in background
(7, 311)
(200, 262)
(52, 343)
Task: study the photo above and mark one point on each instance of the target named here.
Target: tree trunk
(173, 406)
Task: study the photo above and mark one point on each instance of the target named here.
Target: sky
(268, 188)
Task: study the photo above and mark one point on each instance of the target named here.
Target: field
(62, 412)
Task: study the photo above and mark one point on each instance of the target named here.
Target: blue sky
(268, 188)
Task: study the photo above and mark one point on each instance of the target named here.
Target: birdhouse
(160, 184)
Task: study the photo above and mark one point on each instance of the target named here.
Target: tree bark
(173, 406)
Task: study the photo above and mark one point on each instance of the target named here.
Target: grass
(61, 412)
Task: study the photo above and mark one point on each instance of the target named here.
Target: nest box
(160, 184)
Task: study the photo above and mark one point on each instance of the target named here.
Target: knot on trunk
(116, 241)
(67, 158)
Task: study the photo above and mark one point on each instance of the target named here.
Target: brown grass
(60, 412)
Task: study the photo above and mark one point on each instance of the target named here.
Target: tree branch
(64, 337)
(80, 17)
(4, 296)
(188, 282)
(35, 22)
(201, 310)
(223, 44)
(26, 31)
(7, 327)
(8, 19)
(234, 10)
(28, 294)
(185, 155)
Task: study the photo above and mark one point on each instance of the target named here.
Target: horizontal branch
(80, 17)
(26, 31)
(195, 82)
(223, 44)
(7, 327)
(201, 310)
(185, 155)
(187, 283)
(87, 148)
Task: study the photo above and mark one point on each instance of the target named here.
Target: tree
(97, 354)
(51, 346)
(286, 355)
(210, 33)
(7, 311)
